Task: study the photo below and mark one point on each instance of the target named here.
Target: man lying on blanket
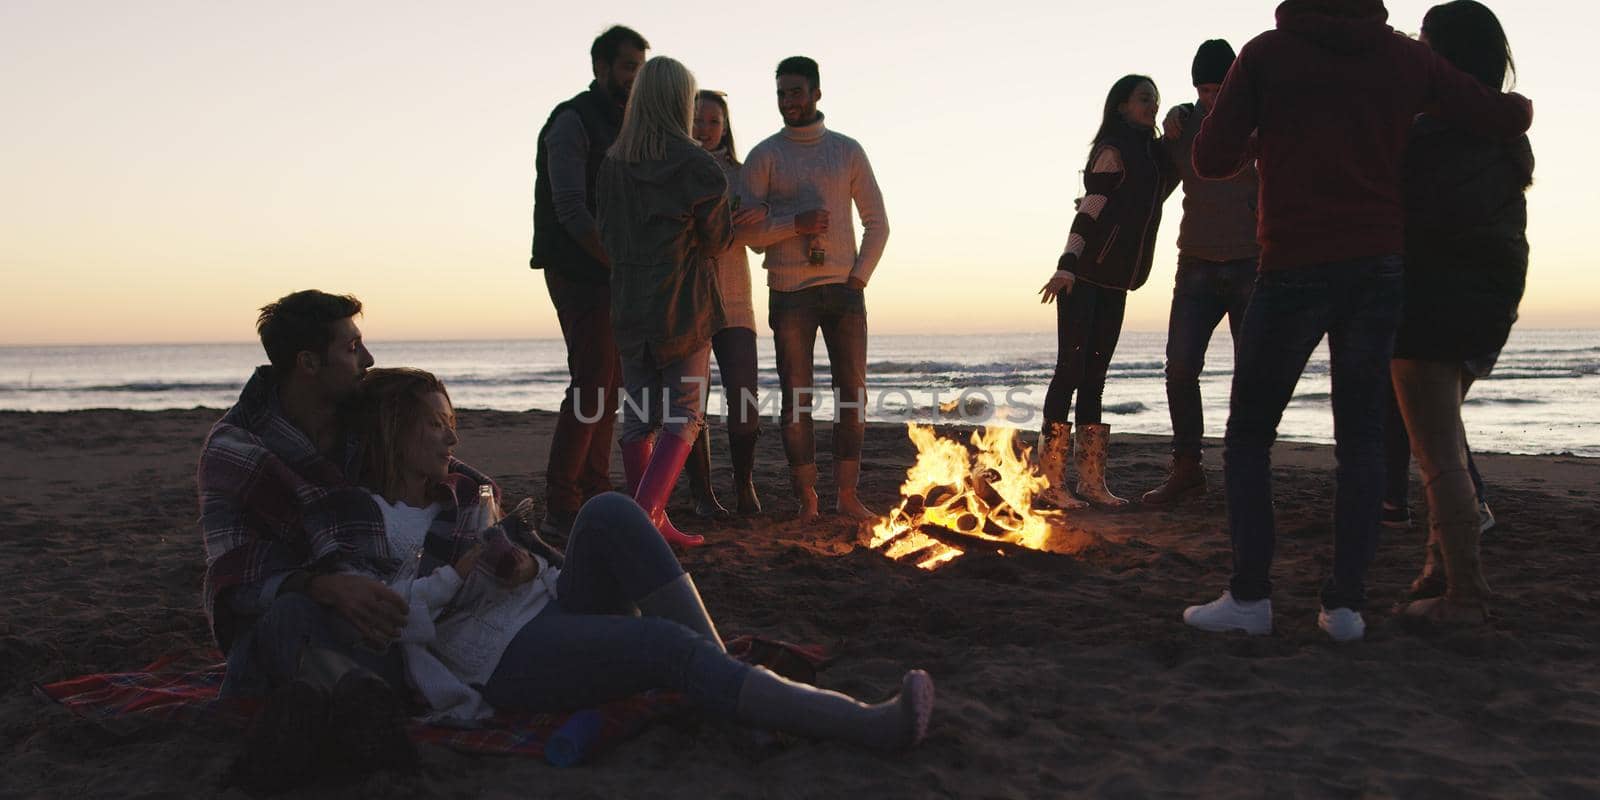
(279, 514)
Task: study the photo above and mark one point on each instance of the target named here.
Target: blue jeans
(1356, 304)
(1204, 292)
(268, 654)
(840, 312)
(586, 647)
(671, 396)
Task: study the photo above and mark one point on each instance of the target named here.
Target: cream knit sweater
(801, 168)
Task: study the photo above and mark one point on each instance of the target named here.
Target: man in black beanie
(1217, 260)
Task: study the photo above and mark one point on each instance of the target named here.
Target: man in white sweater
(807, 176)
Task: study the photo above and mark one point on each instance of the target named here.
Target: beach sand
(1056, 674)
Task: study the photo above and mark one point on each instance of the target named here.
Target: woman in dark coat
(1108, 254)
(1466, 266)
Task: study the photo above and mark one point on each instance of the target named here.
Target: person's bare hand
(373, 608)
(812, 222)
(521, 569)
(1172, 127)
(856, 283)
(468, 561)
(750, 216)
(1060, 285)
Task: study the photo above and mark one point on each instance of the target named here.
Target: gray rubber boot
(680, 602)
(769, 701)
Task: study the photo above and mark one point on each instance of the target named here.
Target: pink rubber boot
(651, 473)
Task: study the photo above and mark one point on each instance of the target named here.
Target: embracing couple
(357, 572)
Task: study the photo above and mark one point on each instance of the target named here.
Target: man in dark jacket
(1217, 260)
(566, 245)
(1324, 103)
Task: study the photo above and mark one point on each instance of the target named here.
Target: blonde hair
(393, 403)
(660, 109)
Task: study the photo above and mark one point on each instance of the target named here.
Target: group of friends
(1340, 180)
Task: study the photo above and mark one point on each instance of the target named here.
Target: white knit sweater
(448, 655)
(801, 168)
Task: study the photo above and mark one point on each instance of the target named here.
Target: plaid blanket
(166, 690)
(271, 503)
(159, 691)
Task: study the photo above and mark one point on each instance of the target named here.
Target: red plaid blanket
(167, 690)
(163, 692)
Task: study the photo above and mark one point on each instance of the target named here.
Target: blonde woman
(664, 217)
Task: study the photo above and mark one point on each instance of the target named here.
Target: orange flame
(985, 491)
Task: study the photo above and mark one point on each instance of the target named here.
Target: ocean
(1542, 397)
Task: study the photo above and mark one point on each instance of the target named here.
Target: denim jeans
(840, 312)
(580, 451)
(268, 654)
(587, 647)
(735, 349)
(1204, 292)
(1088, 325)
(670, 396)
(1356, 304)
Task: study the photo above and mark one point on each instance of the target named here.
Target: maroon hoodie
(1331, 95)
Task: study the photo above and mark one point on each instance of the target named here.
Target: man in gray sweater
(1217, 260)
(807, 176)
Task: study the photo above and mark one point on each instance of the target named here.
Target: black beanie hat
(1211, 61)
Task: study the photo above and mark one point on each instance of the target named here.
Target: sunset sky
(170, 166)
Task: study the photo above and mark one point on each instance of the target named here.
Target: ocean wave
(1504, 401)
(949, 367)
(133, 387)
(1125, 409)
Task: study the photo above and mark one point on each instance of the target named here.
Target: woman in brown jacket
(663, 213)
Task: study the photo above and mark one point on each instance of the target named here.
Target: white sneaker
(1485, 518)
(1342, 624)
(1227, 614)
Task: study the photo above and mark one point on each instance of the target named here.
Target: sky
(169, 166)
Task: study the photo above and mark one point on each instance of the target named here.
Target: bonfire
(955, 492)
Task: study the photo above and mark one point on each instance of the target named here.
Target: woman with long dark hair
(1466, 266)
(663, 212)
(1108, 254)
(735, 344)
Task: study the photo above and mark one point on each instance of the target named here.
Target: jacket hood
(1343, 26)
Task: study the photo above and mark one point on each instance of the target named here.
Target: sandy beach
(1057, 675)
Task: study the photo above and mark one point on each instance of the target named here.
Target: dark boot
(1186, 479)
(742, 449)
(282, 747)
(769, 701)
(1453, 523)
(680, 602)
(699, 468)
(366, 723)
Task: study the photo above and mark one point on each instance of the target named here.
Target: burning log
(983, 491)
(946, 536)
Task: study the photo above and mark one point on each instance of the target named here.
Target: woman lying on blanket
(533, 632)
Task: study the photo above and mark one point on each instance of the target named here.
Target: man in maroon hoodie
(1323, 104)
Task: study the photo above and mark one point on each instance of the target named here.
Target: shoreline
(1056, 674)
